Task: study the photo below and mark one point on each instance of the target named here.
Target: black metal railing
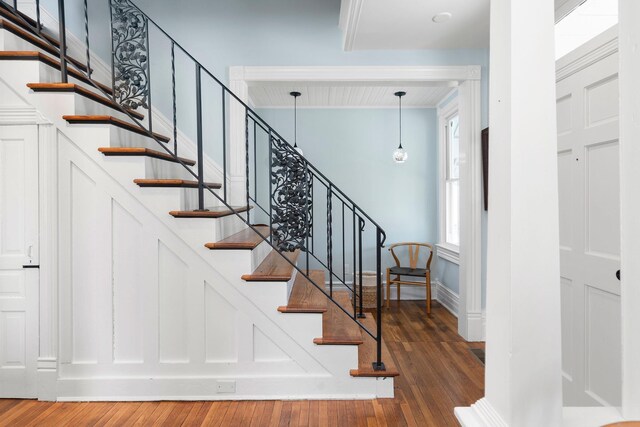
(305, 211)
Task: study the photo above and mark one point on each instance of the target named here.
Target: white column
(470, 324)
(523, 383)
(629, 45)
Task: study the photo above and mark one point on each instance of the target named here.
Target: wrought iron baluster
(255, 161)
(38, 19)
(173, 98)
(344, 278)
(200, 141)
(63, 40)
(330, 238)
(130, 54)
(271, 142)
(246, 154)
(378, 365)
(360, 230)
(86, 34)
(224, 146)
(353, 279)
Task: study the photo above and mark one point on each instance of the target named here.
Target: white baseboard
(479, 414)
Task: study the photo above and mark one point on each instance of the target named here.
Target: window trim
(446, 250)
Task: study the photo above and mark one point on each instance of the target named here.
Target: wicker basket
(369, 280)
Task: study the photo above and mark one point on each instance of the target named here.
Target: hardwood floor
(437, 373)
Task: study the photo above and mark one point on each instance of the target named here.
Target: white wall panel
(604, 352)
(128, 304)
(221, 327)
(12, 202)
(84, 257)
(602, 101)
(603, 199)
(264, 349)
(13, 330)
(173, 289)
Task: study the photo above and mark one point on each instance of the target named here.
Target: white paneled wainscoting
(132, 306)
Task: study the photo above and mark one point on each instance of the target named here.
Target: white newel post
(48, 206)
(236, 171)
(523, 382)
(629, 45)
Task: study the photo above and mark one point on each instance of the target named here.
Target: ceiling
(408, 25)
(347, 96)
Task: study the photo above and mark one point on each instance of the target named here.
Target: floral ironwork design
(291, 198)
(130, 45)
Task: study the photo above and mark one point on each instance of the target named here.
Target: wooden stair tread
(337, 327)
(12, 24)
(305, 297)
(27, 55)
(367, 354)
(245, 239)
(182, 183)
(141, 151)
(72, 87)
(100, 119)
(274, 268)
(215, 212)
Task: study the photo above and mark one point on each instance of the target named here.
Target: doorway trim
(466, 78)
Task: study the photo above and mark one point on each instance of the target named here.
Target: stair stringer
(325, 365)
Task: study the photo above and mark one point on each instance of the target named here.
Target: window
(452, 184)
(449, 186)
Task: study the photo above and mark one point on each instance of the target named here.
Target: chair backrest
(413, 249)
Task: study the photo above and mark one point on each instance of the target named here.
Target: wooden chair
(412, 270)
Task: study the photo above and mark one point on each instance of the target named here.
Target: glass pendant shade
(400, 155)
(299, 150)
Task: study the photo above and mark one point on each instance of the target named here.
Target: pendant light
(295, 121)
(400, 154)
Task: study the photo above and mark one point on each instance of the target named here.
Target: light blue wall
(353, 148)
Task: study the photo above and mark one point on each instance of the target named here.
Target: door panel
(18, 248)
(589, 191)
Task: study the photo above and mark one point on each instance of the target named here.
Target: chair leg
(388, 288)
(398, 289)
(428, 278)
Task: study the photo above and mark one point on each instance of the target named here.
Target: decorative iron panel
(130, 51)
(291, 198)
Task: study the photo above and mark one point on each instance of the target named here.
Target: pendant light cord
(400, 109)
(295, 122)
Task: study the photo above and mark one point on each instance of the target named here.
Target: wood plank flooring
(437, 373)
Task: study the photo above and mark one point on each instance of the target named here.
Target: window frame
(446, 250)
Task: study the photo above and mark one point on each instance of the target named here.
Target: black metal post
(86, 33)
(360, 230)
(63, 42)
(246, 154)
(353, 280)
(330, 239)
(224, 148)
(199, 130)
(38, 21)
(306, 215)
(270, 186)
(174, 99)
(378, 365)
(149, 102)
(255, 162)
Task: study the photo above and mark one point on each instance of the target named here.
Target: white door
(18, 261)
(589, 184)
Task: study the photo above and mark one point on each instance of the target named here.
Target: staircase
(268, 263)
